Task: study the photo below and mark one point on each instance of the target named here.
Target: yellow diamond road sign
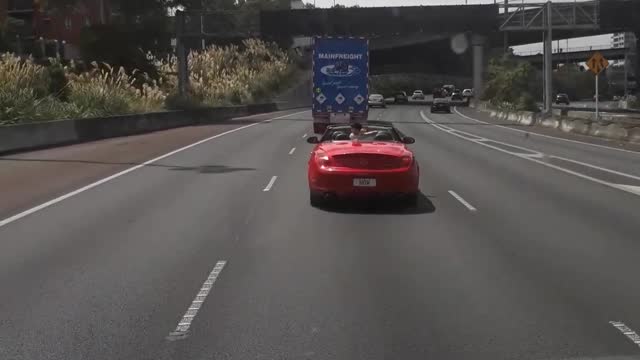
(597, 63)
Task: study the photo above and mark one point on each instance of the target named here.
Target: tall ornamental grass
(232, 74)
(227, 75)
(104, 91)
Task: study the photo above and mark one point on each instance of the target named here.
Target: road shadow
(212, 169)
(380, 206)
(203, 169)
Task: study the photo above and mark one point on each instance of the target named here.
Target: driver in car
(357, 132)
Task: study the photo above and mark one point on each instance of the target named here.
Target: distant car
(376, 100)
(441, 105)
(467, 93)
(401, 98)
(438, 93)
(418, 95)
(456, 95)
(562, 99)
(379, 164)
(448, 89)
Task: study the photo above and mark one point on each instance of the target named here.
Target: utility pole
(102, 16)
(202, 24)
(183, 76)
(506, 33)
(626, 72)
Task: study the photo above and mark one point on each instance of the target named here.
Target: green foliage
(509, 84)
(58, 80)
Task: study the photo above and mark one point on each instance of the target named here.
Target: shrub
(508, 84)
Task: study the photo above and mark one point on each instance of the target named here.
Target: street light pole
(202, 23)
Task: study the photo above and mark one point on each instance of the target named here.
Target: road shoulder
(30, 178)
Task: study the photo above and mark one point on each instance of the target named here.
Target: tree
(509, 84)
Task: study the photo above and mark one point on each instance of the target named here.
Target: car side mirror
(408, 140)
(313, 140)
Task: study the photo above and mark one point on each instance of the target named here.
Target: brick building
(32, 20)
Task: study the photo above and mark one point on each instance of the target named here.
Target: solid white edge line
(270, 184)
(532, 158)
(185, 322)
(45, 205)
(462, 201)
(626, 331)
(292, 151)
(597, 167)
(455, 108)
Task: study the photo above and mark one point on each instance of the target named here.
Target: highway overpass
(576, 55)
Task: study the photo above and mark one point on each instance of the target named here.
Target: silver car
(377, 100)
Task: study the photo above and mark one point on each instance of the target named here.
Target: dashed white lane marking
(270, 184)
(538, 155)
(626, 331)
(292, 151)
(304, 136)
(131, 169)
(545, 136)
(462, 201)
(184, 323)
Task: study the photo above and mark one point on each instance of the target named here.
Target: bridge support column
(478, 43)
(548, 61)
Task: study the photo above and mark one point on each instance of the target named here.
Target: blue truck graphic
(340, 81)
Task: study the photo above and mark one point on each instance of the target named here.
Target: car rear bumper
(388, 183)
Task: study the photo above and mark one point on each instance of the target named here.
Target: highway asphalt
(520, 248)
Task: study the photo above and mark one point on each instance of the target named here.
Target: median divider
(37, 135)
(610, 126)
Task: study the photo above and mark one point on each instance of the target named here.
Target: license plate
(364, 182)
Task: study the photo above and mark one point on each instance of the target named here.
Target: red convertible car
(378, 163)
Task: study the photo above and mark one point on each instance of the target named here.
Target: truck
(340, 81)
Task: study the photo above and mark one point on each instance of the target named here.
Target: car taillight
(323, 159)
(406, 160)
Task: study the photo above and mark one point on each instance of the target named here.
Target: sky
(595, 41)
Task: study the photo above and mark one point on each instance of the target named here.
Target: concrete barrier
(37, 135)
(611, 126)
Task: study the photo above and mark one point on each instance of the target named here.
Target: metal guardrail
(571, 50)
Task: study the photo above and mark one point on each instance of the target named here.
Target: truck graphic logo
(340, 69)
